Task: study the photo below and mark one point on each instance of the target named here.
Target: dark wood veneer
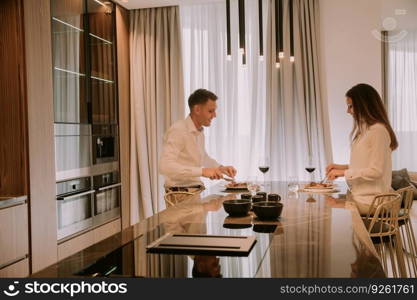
(13, 107)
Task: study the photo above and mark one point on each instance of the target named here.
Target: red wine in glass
(264, 169)
(310, 169)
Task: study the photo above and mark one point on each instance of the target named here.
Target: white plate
(323, 190)
(332, 186)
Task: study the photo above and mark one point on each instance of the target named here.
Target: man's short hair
(200, 96)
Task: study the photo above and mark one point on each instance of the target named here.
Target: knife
(324, 180)
(228, 179)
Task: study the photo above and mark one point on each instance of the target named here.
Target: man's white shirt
(184, 155)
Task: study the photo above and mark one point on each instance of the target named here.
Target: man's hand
(212, 173)
(335, 167)
(335, 173)
(228, 170)
(330, 167)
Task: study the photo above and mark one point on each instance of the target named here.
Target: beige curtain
(297, 122)
(157, 100)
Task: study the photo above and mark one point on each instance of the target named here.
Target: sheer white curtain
(296, 114)
(402, 99)
(237, 135)
(260, 113)
(157, 100)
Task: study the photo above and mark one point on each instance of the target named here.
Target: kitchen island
(314, 237)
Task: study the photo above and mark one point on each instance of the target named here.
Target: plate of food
(237, 186)
(317, 187)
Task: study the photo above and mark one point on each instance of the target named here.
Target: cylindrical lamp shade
(261, 38)
(242, 45)
(291, 31)
(229, 48)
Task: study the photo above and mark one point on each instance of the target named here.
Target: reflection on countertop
(311, 239)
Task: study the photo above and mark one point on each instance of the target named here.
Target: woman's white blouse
(370, 168)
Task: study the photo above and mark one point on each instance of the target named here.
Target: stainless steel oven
(107, 197)
(105, 143)
(74, 206)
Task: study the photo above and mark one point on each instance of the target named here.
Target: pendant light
(277, 38)
(229, 48)
(292, 58)
(242, 46)
(261, 38)
(281, 29)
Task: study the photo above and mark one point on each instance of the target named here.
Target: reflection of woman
(369, 171)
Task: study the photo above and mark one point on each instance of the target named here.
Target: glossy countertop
(316, 236)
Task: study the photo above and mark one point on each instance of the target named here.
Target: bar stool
(381, 222)
(173, 198)
(406, 229)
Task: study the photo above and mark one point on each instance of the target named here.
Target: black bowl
(267, 210)
(264, 228)
(236, 226)
(257, 198)
(246, 196)
(263, 194)
(237, 208)
(274, 197)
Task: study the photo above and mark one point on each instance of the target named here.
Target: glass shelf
(102, 80)
(101, 39)
(68, 71)
(68, 25)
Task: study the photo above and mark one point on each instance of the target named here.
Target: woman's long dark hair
(368, 110)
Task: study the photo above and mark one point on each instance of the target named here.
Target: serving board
(202, 244)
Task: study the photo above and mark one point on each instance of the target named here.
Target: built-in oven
(74, 206)
(72, 148)
(107, 197)
(105, 143)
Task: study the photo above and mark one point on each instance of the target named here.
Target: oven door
(107, 203)
(74, 213)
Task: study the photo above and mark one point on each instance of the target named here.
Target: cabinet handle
(13, 261)
(76, 195)
(109, 187)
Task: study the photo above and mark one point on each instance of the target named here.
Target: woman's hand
(335, 173)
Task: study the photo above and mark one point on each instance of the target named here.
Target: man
(184, 158)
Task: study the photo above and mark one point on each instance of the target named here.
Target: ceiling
(135, 4)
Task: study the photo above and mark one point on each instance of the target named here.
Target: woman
(372, 141)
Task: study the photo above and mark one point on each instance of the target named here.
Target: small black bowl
(264, 228)
(257, 198)
(236, 226)
(263, 194)
(267, 210)
(237, 208)
(246, 196)
(274, 197)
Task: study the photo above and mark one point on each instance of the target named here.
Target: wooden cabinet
(87, 239)
(13, 115)
(14, 239)
(18, 269)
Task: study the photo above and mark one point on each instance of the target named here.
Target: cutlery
(228, 179)
(324, 180)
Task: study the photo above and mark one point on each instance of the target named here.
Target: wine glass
(310, 167)
(264, 166)
(293, 184)
(252, 185)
